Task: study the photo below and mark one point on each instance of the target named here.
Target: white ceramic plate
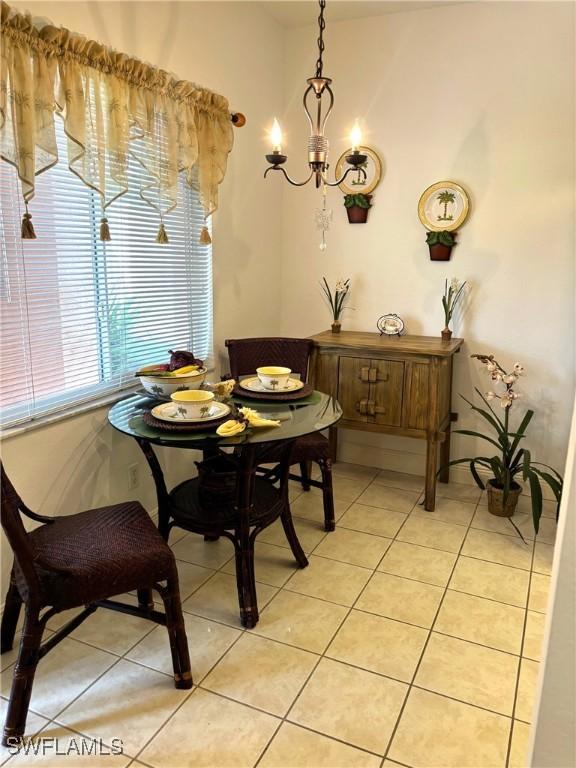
(168, 412)
(254, 384)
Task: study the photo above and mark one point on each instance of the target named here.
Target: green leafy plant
(441, 238)
(511, 460)
(359, 200)
(451, 297)
(337, 298)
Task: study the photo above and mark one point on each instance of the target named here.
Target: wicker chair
(82, 560)
(245, 355)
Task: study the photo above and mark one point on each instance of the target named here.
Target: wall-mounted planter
(440, 245)
(357, 207)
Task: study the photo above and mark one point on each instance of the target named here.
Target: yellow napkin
(234, 427)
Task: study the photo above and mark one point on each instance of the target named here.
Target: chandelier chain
(321, 28)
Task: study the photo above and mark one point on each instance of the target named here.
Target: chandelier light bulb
(356, 137)
(276, 136)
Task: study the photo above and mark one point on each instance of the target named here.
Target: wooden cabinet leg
(333, 438)
(444, 475)
(431, 467)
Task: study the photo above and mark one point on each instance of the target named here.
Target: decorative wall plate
(355, 183)
(443, 206)
(390, 325)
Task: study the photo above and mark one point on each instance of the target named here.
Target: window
(79, 316)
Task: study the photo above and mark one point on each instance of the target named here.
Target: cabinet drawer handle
(372, 375)
(386, 377)
(365, 373)
(371, 408)
(362, 406)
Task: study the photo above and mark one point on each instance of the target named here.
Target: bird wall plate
(390, 325)
(443, 206)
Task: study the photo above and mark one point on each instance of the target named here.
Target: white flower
(505, 401)
(491, 395)
(492, 367)
(454, 284)
(510, 378)
(496, 376)
(341, 286)
(518, 369)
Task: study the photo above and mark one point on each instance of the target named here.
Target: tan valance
(114, 107)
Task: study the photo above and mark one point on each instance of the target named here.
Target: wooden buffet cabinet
(397, 385)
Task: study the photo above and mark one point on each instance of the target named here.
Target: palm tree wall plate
(355, 183)
(444, 206)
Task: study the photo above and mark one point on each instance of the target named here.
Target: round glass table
(257, 500)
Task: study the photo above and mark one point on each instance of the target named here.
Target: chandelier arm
(327, 115)
(339, 181)
(291, 181)
(308, 115)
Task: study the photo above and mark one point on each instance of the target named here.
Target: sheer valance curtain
(113, 107)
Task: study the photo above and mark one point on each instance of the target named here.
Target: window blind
(78, 315)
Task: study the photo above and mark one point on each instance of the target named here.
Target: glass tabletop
(313, 414)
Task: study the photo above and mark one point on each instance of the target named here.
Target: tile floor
(412, 639)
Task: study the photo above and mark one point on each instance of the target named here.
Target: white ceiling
(300, 13)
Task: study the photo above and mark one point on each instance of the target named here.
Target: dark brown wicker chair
(82, 560)
(245, 355)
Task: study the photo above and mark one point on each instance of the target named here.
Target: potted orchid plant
(512, 461)
(336, 300)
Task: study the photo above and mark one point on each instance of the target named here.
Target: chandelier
(319, 89)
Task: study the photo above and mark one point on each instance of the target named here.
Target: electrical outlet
(133, 478)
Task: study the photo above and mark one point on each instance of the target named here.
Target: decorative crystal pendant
(323, 217)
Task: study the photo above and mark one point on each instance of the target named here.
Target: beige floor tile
(431, 533)
(210, 554)
(420, 563)
(468, 672)
(448, 511)
(543, 557)
(261, 673)
(218, 599)
(525, 506)
(353, 547)
(377, 644)
(272, 564)
(310, 506)
(310, 533)
(505, 550)
(190, 577)
(539, 588)
(300, 620)
(498, 582)
(209, 731)
(481, 621)
(486, 521)
(207, 643)
(62, 675)
(130, 702)
(519, 747)
(534, 635)
(401, 599)
(295, 747)
(330, 580)
(355, 471)
(401, 480)
(460, 491)
(348, 488)
(546, 530)
(365, 716)
(112, 631)
(381, 522)
(385, 497)
(435, 731)
(63, 741)
(527, 684)
(34, 723)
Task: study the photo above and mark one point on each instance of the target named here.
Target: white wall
(482, 94)
(82, 461)
(554, 733)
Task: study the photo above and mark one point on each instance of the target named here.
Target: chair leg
(290, 531)
(10, 618)
(327, 494)
(305, 467)
(246, 582)
(145, 599)
(23, 678)
(177, 635)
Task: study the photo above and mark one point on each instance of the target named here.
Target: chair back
(11, 510)
(245, 355)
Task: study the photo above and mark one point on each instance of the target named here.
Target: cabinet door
(354, 388)
(386, 388)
